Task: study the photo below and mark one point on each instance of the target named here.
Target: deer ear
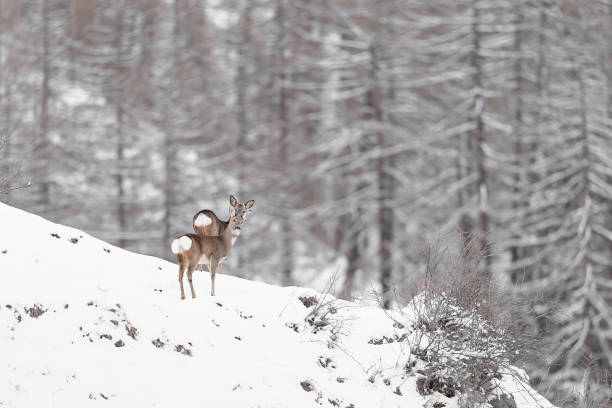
(249, 204)
(233, 201)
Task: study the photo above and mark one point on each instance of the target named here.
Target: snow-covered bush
(463, 340)
(459, 351)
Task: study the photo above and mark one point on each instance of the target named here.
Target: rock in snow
(83, 326)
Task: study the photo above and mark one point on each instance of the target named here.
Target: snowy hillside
(88, 324)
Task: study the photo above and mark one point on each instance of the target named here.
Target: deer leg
(189, 275)
(180, 277)
(213, 271)
(219, 268)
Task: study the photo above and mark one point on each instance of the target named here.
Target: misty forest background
(359, 127)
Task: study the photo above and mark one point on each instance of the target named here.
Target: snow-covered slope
(113, 332)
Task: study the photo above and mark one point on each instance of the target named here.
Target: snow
(180, 244)
(77, 96)
(114, 332)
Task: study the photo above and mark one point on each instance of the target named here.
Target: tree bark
(385, 182)
(169, 142)
(43, 146)
(241, 114)
(515, 251)
(122, 216)
(283, 117)
(479, 136)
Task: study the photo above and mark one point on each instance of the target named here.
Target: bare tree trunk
(609, 70)
(354, 238)
(353, 258)
(119, 117)
(169, 181)
(241, 91)
(515, 251)
(607, 271)
(585, 200)
(539, 87)
(6, 130)
(348, 236)
(43, 146)
(283, 116)
(241, 81)
(349, 228)
(385, 220)
(479, 136)
(385, 182)
(169, 142)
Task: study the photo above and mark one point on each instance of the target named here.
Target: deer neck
(228, 238)
(223, 225)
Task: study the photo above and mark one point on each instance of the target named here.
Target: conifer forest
(361, 128)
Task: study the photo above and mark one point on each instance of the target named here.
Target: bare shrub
(308, 301)
(595, 390)
(35, 311)
(456, 273)
(462, 325)
(9, 176)
(324, 313)
(307, 386)
(4, 170)
(454, 269)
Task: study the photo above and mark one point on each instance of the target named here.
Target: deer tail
(181, 244)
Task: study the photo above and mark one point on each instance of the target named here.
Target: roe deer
(206, 222)
(194, 249)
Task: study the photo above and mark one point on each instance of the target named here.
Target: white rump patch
(185, 242)
(202, 220)
(181, 244)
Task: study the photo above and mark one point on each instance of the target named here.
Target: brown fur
(218, 226)
(211, 249)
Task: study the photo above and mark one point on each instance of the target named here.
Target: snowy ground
(113, 332)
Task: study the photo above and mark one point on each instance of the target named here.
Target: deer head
(240, 210)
